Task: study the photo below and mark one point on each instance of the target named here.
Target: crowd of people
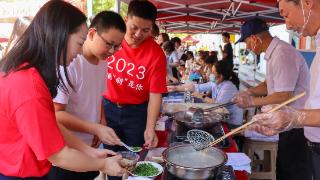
(184, 65)
(66, 88)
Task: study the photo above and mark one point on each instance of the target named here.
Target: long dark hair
(190, 53)
(168, 46)
(211, 60)
(45, 43)
(165, 38)
(224, 68)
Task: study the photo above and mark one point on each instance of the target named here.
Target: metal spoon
(132, 149)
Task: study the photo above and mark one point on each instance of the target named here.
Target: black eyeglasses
(108, 44)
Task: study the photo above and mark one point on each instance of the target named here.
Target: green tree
(123, 9)
(102, 5)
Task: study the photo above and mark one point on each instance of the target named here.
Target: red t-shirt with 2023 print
(135, 72)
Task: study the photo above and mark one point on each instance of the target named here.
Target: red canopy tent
(190, 40)
(213, 16)
(3, 40)
(199, 16)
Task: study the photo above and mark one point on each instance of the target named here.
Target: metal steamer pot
(185, 162)
(207, 122)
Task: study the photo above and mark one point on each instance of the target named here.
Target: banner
(29, 7)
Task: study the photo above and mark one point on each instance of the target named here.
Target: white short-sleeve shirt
(287, 70)
(313, 102)
(84, 101)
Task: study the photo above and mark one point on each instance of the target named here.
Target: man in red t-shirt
(136, 79)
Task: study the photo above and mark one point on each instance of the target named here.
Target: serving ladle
(130, 148)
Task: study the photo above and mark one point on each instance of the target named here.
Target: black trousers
(294, 156)
(3, 177)
(57, 173)
(315, 157)
(129, 123)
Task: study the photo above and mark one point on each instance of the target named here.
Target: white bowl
(156, 165)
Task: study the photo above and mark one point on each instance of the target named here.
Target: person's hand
(107, 135)
(174, 80)
(263, 130)
(112, 166)
(243, 93)
(243, 99)
(97, 153)
(188, 86)
(102, 153)
(95, 142)
(279, 121)
(172, 88)
(150, 139)
(197, 95)
(171, 79)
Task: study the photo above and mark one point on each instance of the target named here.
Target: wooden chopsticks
(253, 121)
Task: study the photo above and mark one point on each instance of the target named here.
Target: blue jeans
(129, 123)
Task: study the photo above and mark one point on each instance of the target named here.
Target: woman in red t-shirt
(30, 139)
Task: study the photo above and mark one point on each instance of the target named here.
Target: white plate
(156, 165)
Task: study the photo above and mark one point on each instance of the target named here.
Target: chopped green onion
(146, 169)
(135, 148)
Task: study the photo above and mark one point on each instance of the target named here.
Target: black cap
(252, 27)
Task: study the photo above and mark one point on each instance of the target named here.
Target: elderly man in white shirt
(301, 16)
(287, 75)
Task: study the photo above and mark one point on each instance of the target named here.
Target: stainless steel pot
(186, 163)
(207, 122)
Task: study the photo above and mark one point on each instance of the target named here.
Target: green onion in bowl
(147, 169)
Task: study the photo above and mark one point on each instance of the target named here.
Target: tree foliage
(102, 5)
(124, 9)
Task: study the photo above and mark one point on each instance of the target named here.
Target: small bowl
(129, 159)
(156, 165)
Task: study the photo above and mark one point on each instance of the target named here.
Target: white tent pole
(89, 8)
(117, 6)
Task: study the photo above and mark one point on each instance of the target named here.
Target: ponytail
(235, 80)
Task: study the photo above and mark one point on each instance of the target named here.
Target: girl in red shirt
(30, 139)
